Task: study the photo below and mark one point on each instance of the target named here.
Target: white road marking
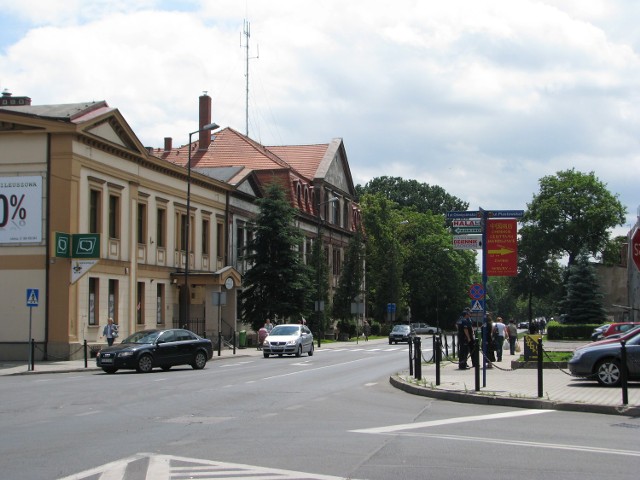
(450, 421)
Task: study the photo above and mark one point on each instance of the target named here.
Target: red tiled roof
(303, 158)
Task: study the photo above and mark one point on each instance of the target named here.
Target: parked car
(147, 349)
(424, 329)
(601, 362)
(288, 339)
(621, 327)
(524, 325)
(626, 336)
(401, 333)
(597, 332)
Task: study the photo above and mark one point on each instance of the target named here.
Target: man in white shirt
(499, 334)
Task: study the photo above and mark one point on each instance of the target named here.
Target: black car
(147, 349)
(401, 333)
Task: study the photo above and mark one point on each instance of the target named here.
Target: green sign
(466, 230)
(86, 245)
(63, 245)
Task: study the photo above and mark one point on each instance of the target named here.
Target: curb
(489, 399)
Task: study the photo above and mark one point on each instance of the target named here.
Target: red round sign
(635, 248)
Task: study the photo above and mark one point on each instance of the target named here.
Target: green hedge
(558, 331)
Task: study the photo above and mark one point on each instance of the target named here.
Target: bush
(558, 331)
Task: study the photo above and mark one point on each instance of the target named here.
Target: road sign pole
(30, 341)
(483, 222)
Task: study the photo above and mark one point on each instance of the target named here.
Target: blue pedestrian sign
(32, 297)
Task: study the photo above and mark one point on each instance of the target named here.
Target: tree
(583, 303)
(278, 282)
(572, 214)
(410, 193)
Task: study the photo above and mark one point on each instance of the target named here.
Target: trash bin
(242, 339)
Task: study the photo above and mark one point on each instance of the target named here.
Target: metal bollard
(410, 357)
(624, 373)
(540, 388)
(417, 355)
(438, 356)
(86, 364)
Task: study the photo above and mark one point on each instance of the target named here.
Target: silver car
(424, 329)
(288, 339)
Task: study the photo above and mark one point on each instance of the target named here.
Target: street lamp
(320, 303)
(187, 293)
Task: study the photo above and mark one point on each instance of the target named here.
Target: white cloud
(482, 97)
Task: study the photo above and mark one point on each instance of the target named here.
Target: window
(160, 303)
(337, 261)
(181, 240)
(142, 223)
(220, 240)
(95, 206)
(161, 228)
(114, 216)
(205, 237)
(240, 241)
(113, 300)
(140, 304)
(94, 284)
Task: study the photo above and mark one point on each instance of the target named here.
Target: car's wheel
(145, 364)
(311, 351)
(608, 372)
(299, 351)
(265, 354)
(109, 370)
(166, 368)
(199, 361)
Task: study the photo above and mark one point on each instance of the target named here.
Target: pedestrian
(499, 334)
(512, 331)
(367, 331)
(262, 334)
(465, 339)
(488, 334)
(110, 331)
(268, 325)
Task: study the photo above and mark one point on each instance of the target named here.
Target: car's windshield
(400, 328)
(285, 330)
(142, 337)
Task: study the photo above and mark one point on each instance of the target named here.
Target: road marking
(450, 421)
(370, 384)
(171, 466)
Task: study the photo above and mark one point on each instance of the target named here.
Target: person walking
(488, 332)
(367, 331)
(110, 331)
(465, 340)
(499, 334)
(512, 333)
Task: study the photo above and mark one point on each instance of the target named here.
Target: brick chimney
(205, 119)
(168, 143)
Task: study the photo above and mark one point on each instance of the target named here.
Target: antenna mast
(246, 31)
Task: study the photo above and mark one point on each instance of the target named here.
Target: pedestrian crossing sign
(32, 297)
(477, 305)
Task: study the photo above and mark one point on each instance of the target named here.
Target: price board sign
(21, 209)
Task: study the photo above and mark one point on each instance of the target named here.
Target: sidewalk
(519, 387)
(504, 386)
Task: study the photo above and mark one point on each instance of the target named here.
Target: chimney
(205, 119)
(167, 144)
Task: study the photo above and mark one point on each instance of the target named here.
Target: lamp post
(187, 293)
(319, 302)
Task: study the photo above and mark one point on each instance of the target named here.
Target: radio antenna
(246, 32)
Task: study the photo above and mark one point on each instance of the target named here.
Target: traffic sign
(477, 306)
(466, 230)
(635, 248)
(467, 242)
(463, 214)
(32, 297)
(476, 291)
(505, 213)
(502, 248)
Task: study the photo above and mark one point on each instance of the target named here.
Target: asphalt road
(333, 415)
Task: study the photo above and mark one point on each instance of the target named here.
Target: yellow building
(79, 169)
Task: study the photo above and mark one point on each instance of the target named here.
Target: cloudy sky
(481, 97)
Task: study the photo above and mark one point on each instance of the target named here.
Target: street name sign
(467, 242)
(463, 214)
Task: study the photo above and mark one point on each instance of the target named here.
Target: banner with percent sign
(21, 209)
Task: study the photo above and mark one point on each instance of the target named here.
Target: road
(333, 415)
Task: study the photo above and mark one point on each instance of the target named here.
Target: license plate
(106, 360)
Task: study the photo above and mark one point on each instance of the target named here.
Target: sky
(480, 97)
